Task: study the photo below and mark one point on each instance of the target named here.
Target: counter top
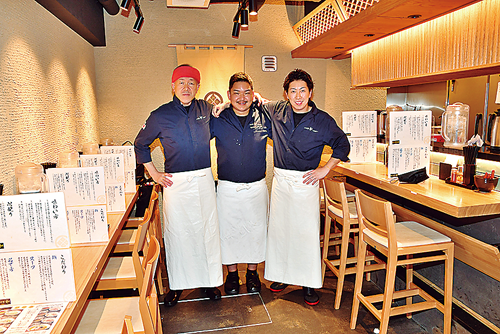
(434, 193)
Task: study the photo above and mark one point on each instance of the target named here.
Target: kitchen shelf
(485, 152)
(380, 20)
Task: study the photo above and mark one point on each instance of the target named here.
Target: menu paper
(404, 159)
(130, 186)
(33, 221)
(32, 277)
(114, 168)
(33, 318)
(128, 154)
(411, 128)
(81, 186)
(116, 197)
(359, 123)
(87, 224)
(363, 149)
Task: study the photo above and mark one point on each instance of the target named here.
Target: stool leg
(326, 243)
(344, 246)
(359, 282)
(448, 288)
(390, 279)
(409, 280)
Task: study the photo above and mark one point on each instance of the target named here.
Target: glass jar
(30, 178)
(389, 110)
(455, 122)
(68, 159)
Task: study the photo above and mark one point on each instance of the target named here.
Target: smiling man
(191, 230)
(241, 134)
(300, 132)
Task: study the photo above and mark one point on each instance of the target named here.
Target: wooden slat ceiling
(382, 19)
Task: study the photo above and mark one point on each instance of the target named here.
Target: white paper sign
(115, 197)
(497, 99)
(127, 151)
(359, 123)
(87, 224)
(114, 167)
(37, 277)
(404, 159)
(33, 222)
(130, 186)
(411, 128)
(81, 186)
(32, 318)
(363, 149)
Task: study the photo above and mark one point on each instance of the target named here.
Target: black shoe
(310, 296)
(212, 293)
(172, 297)
(277, 287)
(232, 285)
(253, 282)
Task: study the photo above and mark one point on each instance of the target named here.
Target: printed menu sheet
(363, 149)
(116, 197)
(130, 163)
(41, 276)
(81, 186)
(412, 128)
(114, 169)
(33, 221)
(87, 223)
(404, 159)
(359, 123)
(34, 318)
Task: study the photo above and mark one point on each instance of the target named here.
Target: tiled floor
(269, 312)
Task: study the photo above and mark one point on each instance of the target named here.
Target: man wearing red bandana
(191, 229)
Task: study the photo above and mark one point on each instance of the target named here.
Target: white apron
(293, 248)
(243, 215)
(191, 231)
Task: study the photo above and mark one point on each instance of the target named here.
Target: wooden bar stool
(377, 228)
(344, 214)
(129, 314)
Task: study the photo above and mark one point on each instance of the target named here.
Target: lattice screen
(327, 15)
(353, 7)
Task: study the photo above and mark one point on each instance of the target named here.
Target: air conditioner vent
(269, 63)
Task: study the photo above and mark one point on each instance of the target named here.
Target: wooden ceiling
(382, 19)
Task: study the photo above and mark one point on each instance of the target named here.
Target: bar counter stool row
(370, 222)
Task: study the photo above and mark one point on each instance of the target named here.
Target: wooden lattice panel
(322, 21)
(353, 7)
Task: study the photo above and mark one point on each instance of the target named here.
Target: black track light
(138, 24)
(252, 5)
(236, 29)
(244, 18)
(125, 5)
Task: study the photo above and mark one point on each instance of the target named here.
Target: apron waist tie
(191, 177)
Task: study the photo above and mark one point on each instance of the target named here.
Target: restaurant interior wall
(47, 99)
(133, 71)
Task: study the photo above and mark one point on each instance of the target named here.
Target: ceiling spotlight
(252, 5)
(236, 30)
(126, 4)
(138, 24)
(244, 18)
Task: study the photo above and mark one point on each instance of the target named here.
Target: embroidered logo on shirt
(257, 127)
(200, 117)
(310, 129)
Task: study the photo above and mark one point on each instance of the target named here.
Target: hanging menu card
(410, 128)
(32, 318)
(40, 276)
(359, 123)
(403, 159)
(130, 163)
(81, 186)
(363, 149)
(34, 221)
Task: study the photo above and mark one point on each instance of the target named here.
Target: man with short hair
(241, 134)
(300, 132)
(191, 230)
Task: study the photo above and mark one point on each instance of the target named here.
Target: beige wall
(47, 94)
(133, 71)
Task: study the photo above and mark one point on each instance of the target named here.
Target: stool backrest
(376, 216)
(335, 195)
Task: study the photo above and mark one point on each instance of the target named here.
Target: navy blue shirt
(241, 150)
(300, 147)
(185, 136)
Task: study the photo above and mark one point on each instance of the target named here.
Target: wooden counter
(88, 262)
(433, 193)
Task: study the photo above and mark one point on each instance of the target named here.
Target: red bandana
(186, 72)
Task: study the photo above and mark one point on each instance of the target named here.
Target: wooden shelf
(380, 20)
